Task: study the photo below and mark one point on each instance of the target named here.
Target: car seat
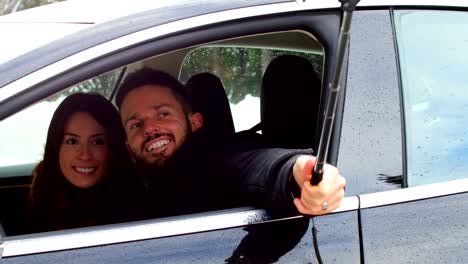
(208, 97)
(290, 101)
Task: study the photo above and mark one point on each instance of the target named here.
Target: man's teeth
(85, 170)
(157, 144)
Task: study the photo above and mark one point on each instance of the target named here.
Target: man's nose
(84, 152)
(151, 126)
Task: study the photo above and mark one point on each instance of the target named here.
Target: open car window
(23, 135)
(241, 70)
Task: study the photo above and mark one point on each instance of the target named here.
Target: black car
(399, 137)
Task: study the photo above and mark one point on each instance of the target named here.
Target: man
(184, 172)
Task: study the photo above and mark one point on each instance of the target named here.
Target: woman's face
(84, 152)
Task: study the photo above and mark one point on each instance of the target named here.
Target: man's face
(155, 124)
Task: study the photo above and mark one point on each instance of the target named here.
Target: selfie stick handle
(347, 6)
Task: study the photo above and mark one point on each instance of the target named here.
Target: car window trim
(404, 154)
(413, 194)
(122, 72)
(146, 229)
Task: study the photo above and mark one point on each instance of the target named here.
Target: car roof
(91, 11)
(97, 11)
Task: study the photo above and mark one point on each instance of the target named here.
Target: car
(399, 135)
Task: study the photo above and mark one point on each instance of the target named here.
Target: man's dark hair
(147, 76)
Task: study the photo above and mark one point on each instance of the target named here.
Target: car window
(433, 54)
(23, 135)
(241, 70)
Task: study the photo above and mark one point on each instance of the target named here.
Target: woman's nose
(84, 152)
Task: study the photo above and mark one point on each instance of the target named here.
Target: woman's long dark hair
(49, 187)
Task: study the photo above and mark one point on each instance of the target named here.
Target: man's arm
(269, 178)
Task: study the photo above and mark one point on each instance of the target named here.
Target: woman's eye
(164, 114)
(99, 141)
(71, 141)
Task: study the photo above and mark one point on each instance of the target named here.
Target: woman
(81, 177)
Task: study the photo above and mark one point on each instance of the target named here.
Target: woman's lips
(85, 170)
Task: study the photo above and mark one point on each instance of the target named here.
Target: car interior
(208, 97)
(285, 90)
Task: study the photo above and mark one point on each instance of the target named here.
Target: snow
(23, 135)
(246, 113)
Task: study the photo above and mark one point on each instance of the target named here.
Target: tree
(240, 69)
(102, 84)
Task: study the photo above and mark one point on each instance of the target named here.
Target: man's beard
(160, 159)
(154, 166)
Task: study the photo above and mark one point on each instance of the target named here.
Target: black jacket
(207, 174)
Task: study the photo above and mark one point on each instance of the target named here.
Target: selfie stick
(347, 6)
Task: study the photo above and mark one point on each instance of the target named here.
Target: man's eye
(135, 125)
(164, 114)
(71, 141)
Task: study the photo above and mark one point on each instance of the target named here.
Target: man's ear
(196, 121)
(130, 151)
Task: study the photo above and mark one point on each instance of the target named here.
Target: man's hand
(322, 198)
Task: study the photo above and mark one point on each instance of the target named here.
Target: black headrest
(208, 97)
(290, 103)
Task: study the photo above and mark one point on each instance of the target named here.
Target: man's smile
(157, 144)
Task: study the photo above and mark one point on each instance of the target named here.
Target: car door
(404, 133)
(233, 235)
